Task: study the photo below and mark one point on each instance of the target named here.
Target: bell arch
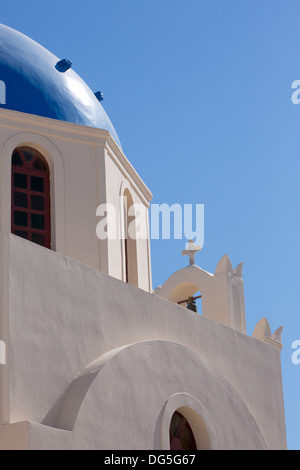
(191, 282)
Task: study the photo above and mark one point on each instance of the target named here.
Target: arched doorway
(181, 434)
(30, 196)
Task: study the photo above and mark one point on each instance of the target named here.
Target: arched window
(130, 254)
(181, 434)
(30, 196)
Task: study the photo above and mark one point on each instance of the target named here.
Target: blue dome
(39, 83)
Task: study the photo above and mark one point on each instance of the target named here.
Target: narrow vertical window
(30, 209)
(130, 249)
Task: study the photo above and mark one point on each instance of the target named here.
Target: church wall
(66, 315)
(87, 168)
(60, 313)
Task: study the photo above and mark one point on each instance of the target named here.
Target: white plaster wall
(80, 201)
(64, 315)
(117, 401)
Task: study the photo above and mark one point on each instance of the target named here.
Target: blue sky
(199, 92)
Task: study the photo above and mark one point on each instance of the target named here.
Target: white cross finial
(190, 251)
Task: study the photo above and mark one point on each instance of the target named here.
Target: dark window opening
(21, 199)
(181, 434)
(40, 164)
(37, 184)
(37, 203)
(20, 218)
(20, 181)
(17, 159)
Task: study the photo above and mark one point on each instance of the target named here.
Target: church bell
(191, 305)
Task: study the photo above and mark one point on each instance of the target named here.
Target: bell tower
(222, 293)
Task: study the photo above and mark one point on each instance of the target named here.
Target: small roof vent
(63, 65)
(99, 95)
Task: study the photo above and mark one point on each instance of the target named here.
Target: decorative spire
(191, 251)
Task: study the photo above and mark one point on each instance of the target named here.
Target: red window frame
(25, 167)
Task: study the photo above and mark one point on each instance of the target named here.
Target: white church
(95, 357)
